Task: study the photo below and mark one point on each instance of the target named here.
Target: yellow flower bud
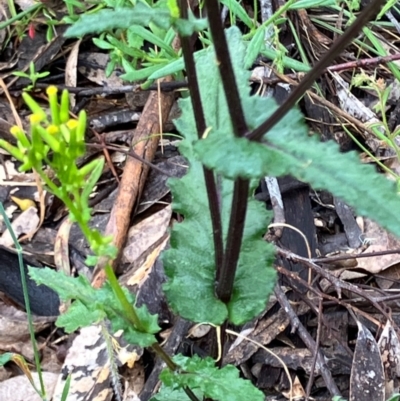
(52, 129)
(51, 90)
(72, 124)
(35, 118)
(15, 130)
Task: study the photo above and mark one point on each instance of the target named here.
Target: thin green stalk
(130, 311)
(381, 51)
(164, 356)
(19, 16)
(11, 7)
(117, 289)
(42, 392)
(172, 366)
(299, 45)
(364, 149)
(333, 29)
(303, 53)
(255, 12)
(272, 18)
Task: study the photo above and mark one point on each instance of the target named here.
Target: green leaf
(125, 49)
(288, 62)
(92, 305)
(169, 394)
(234, 161)
(290, 150)
(21, 74)
(102, 44)
(236, 8)
(134, 40)
(78, 316)
(301, 4)
(150, 37)
(173, 67)
(82, 313)
(67, 287)
(218, 384)
(94, 176)
(122, 18)
(116, 315)
(187, 264)
(143, 73)
(254, 48)
(187, 27)
(5, 358)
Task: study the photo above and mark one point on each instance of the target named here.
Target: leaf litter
(335, 323)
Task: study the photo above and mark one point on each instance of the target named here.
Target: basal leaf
(66, 287)
(92, 305)
(218, 384)
(189, 263)
(78, 316)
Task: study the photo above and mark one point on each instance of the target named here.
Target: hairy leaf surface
(94, 305)
(123, 18)
(189, 263)
(218, 384)
(288, 149)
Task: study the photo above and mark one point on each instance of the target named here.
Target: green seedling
(32, 75)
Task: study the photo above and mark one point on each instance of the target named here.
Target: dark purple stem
(201, 126)
(226, 274)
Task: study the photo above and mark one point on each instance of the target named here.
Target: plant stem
(18, 248)
(317, 70)
(201, 126)
(226, 274)
(19, 16)
(226, 69)
(164, 356)
(234, 241)
(129, 309)
(172, 366)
